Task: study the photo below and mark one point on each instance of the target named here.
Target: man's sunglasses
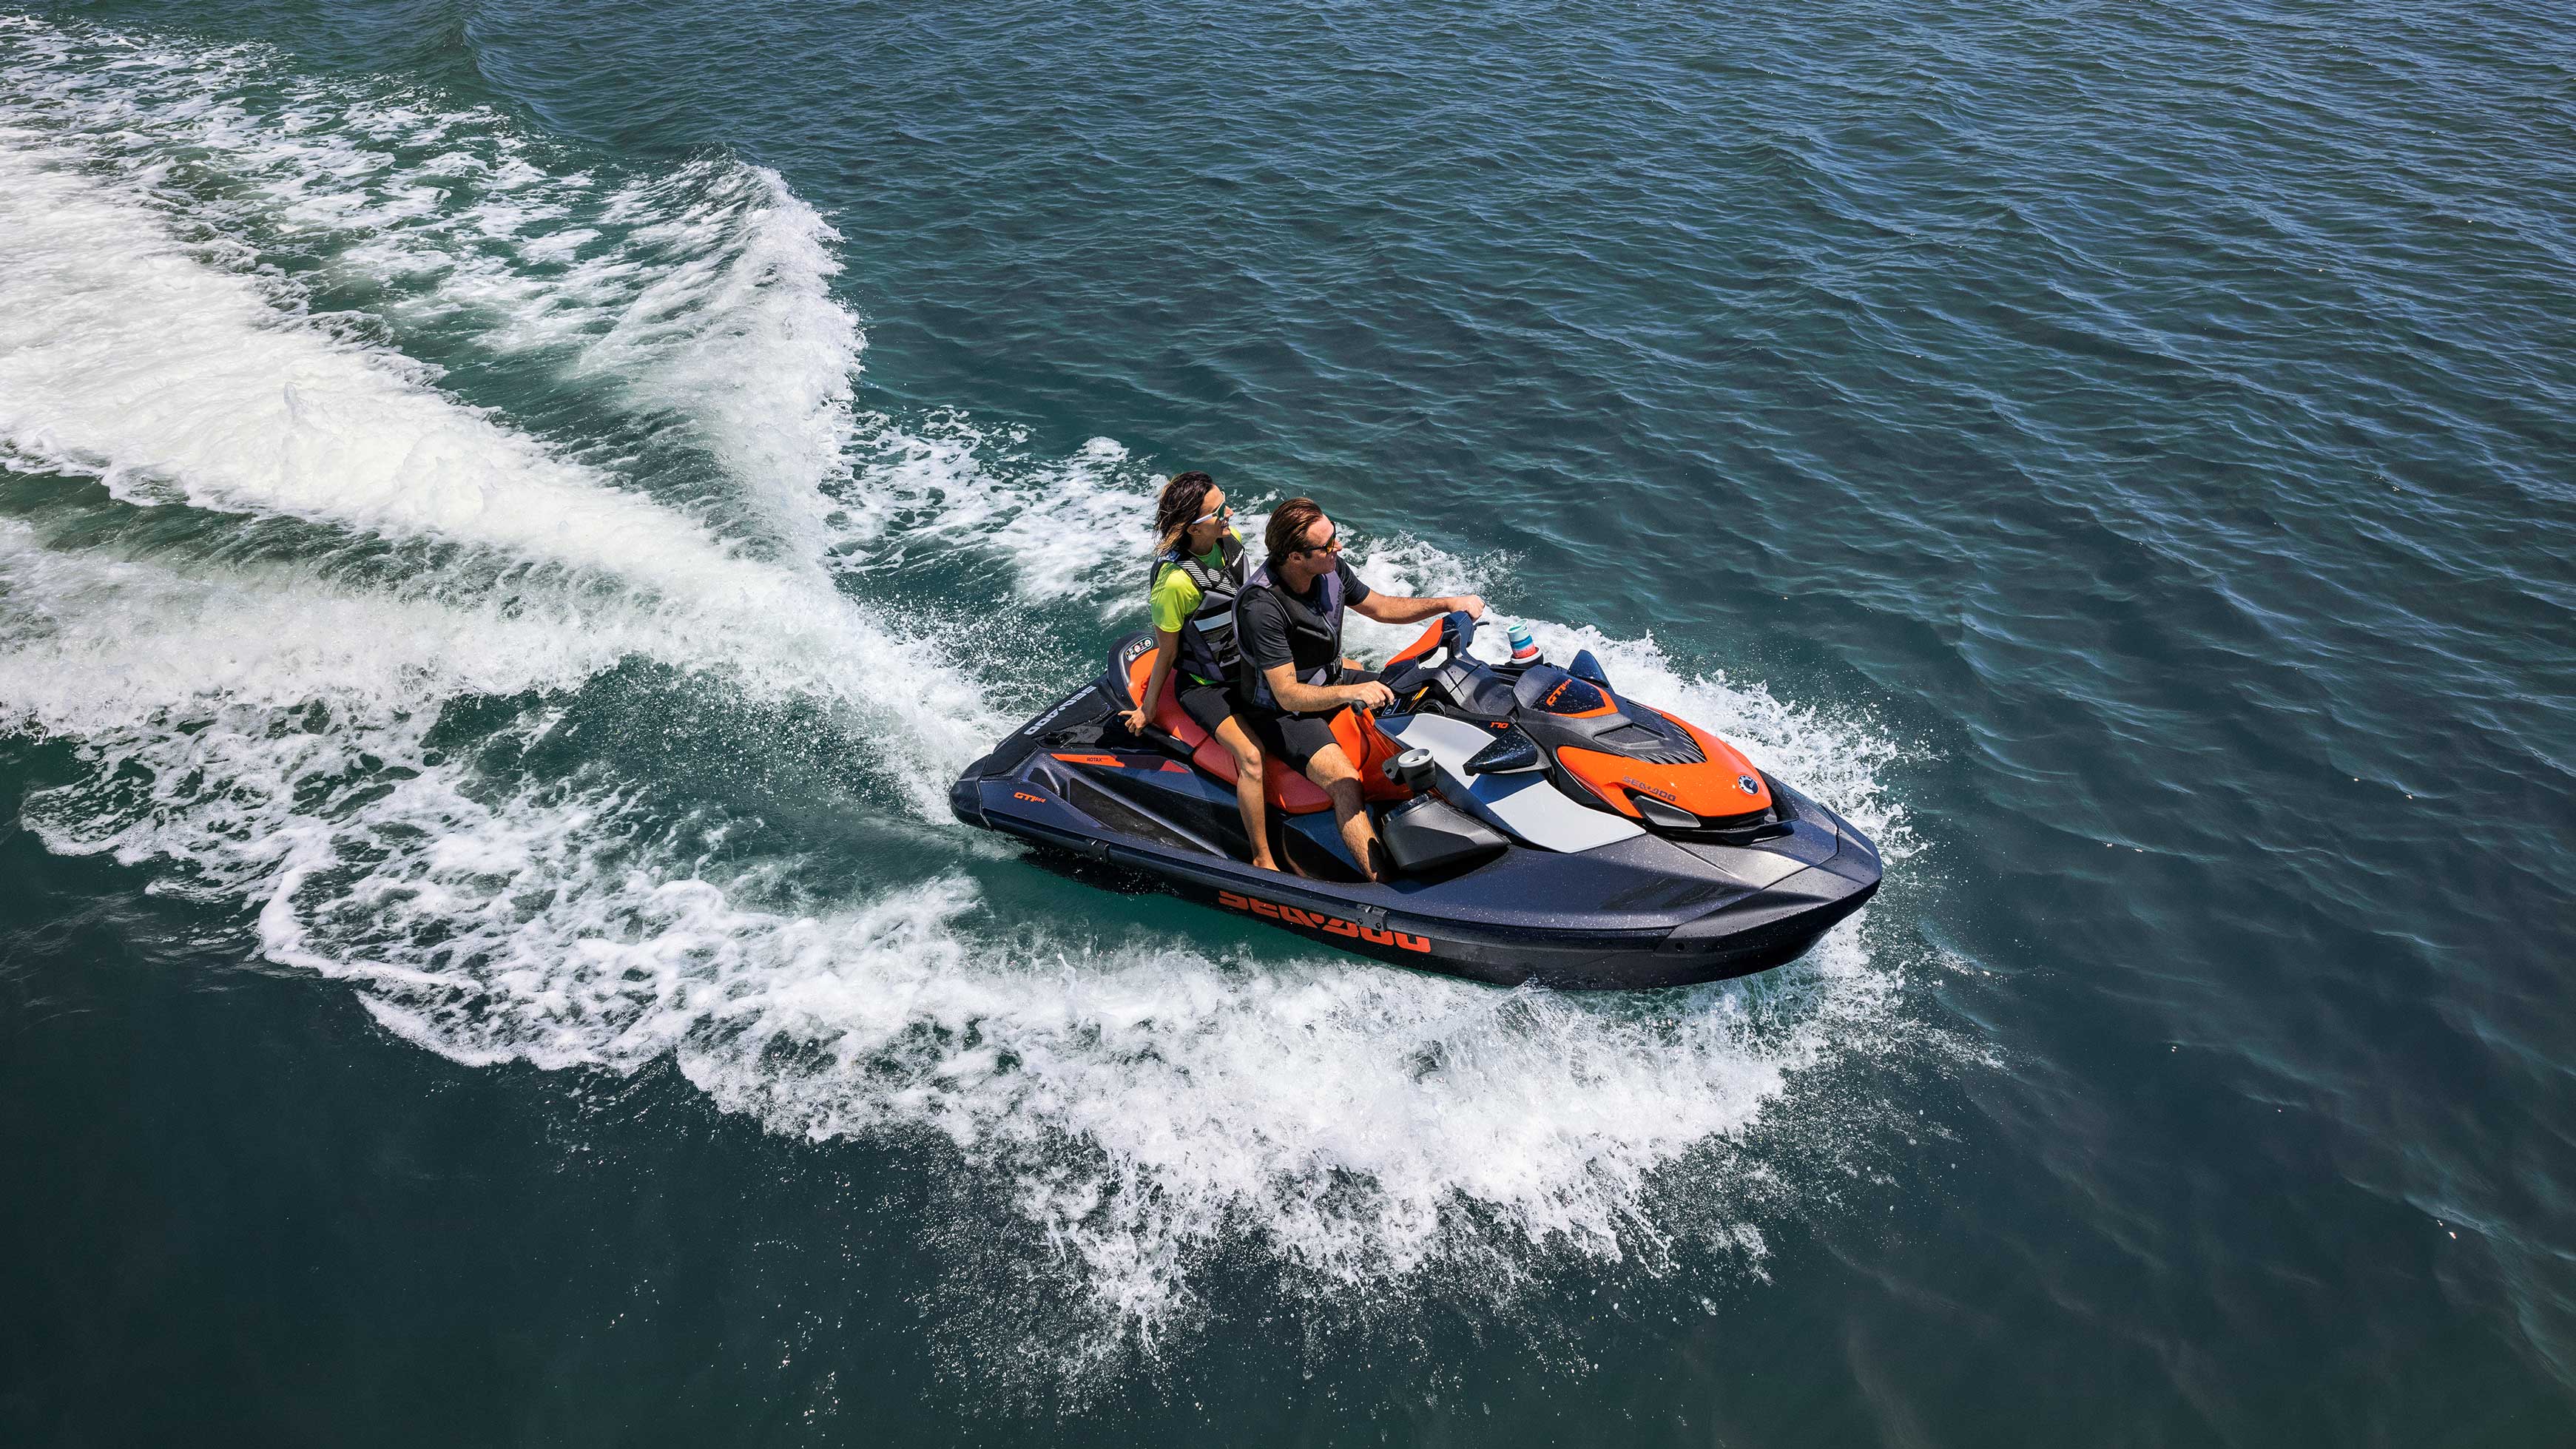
(1330, 545)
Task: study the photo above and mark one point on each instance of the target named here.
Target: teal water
(511, 515)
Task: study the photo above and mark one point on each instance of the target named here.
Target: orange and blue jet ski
(1541, 826)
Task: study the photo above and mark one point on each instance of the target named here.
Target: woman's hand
(1134, 719)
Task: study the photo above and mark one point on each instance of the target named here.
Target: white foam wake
(125, 354)
(699, 293)
(129, 355)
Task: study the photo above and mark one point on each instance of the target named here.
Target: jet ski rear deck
(1566, 836)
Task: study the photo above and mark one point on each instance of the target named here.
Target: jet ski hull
(1638, 912)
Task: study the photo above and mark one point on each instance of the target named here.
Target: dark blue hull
(1645, 911)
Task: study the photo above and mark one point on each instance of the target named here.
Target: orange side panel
(1712, 790)
(1368, 749)
(1610, 776)
(1720, 792)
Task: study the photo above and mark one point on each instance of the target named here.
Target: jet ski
(1541, 827)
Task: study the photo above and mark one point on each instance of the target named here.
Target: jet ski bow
(1542, 827)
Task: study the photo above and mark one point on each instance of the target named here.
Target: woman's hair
(1179, 507)
(1288, 525)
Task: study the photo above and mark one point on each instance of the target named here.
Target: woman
(1198, 569)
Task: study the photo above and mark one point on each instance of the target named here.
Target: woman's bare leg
(1247, 788)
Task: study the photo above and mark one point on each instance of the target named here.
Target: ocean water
(511, 515)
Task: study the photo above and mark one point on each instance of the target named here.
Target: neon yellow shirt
(1175, 598)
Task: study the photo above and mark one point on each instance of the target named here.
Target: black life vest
(1323, 623)
(1207, 636)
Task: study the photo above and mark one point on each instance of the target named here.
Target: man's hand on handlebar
(1474, 606)
(1368, 695)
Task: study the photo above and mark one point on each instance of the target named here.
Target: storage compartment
(1427, 835)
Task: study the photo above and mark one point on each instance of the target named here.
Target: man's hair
(1178, 506)
(1288, 525)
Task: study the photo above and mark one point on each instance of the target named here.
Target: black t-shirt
(1266, 639)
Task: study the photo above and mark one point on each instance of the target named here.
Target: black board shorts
(1209, 704)
(1297, 738)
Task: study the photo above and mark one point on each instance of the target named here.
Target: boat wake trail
(472, 564)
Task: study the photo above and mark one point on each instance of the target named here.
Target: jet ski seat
(1288, 790)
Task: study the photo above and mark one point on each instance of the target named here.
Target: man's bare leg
(1331, 769)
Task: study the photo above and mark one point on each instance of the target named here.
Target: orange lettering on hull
(1025, 795)
(1317, 921)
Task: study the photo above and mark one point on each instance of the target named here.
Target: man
(1294, 678)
